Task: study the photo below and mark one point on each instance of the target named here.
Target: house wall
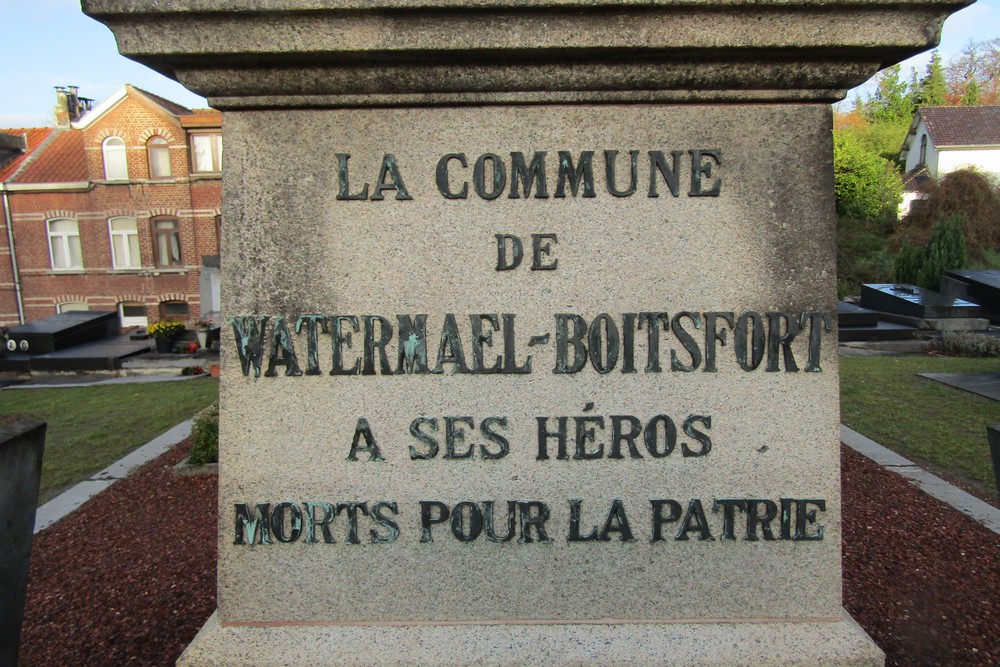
(985, 160)
(913, 155)
(193, 202)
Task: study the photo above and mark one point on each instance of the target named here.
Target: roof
(202, 118)
(34, 137)
(62, 161)
(916, 179)
(962, 126)
(172, 107)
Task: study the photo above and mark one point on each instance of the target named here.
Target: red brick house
(117, 207)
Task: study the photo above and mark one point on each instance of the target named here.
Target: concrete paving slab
(39, 382)
(139, 457)
(930, 484)
(66, 503)
(981, 384)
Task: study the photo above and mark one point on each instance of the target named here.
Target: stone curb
(68, 502)
(185, 469)
(930, 484)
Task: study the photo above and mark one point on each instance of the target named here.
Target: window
(159, 157)
(206, 153)
(124, 243)
(218, 232)
(174, 309)
(132, 314)
(70, 306)
(64, 245)
(923, 149)
(115, 164)
(167, 242)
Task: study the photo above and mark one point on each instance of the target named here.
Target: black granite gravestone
(978, 286)
(914, 301)
(21, 446)
(63, 330)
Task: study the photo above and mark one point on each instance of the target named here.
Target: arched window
(159, 157)
(923, 149)
(124, 243)
(64, 245)
(115, 164)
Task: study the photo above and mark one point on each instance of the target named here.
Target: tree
(970, 97)
(893, 100)
(867, 186)
(924, 266)
(967, 193)
(976, 67)
(933, 87)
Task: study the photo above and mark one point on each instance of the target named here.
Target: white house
(945, 139)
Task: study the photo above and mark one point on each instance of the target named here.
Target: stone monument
(531, 349)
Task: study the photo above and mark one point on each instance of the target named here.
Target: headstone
(21, 448)
(531, 356)
(993, 440)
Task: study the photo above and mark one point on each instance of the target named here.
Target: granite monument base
(838, 642)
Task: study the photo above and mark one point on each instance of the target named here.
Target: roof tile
(963, 126)
(62, 161)
(34, 137)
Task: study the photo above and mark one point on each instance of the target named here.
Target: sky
(50, 43)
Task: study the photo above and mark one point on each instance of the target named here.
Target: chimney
(70, 106)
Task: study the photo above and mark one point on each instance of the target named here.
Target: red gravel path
(920, 577)
(130, 577)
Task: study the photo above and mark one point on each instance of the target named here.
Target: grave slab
(980, 286)
(913, 301)
(62, 331)
(531, 351)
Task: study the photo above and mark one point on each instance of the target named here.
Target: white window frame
(170, 237)
(71, 306)
(64, 239)
(214, 154)
(156, 146)
(129, 320)
(132, 257)
(115, 159)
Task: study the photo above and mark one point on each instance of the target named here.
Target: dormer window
(115, 164)
(158, 151)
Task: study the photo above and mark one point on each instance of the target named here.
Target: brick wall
(193, 203)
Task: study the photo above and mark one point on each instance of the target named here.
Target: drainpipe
(18, 297)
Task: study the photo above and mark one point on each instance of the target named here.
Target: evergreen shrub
(205, 436)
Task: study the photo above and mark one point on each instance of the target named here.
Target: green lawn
(91, 427)
(930, 423)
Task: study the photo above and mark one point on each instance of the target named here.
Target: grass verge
(90, 428)
(940, 427)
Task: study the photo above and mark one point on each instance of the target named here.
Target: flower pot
(202, 338)
(164, 345)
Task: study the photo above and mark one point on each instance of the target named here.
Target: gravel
(130, 577)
